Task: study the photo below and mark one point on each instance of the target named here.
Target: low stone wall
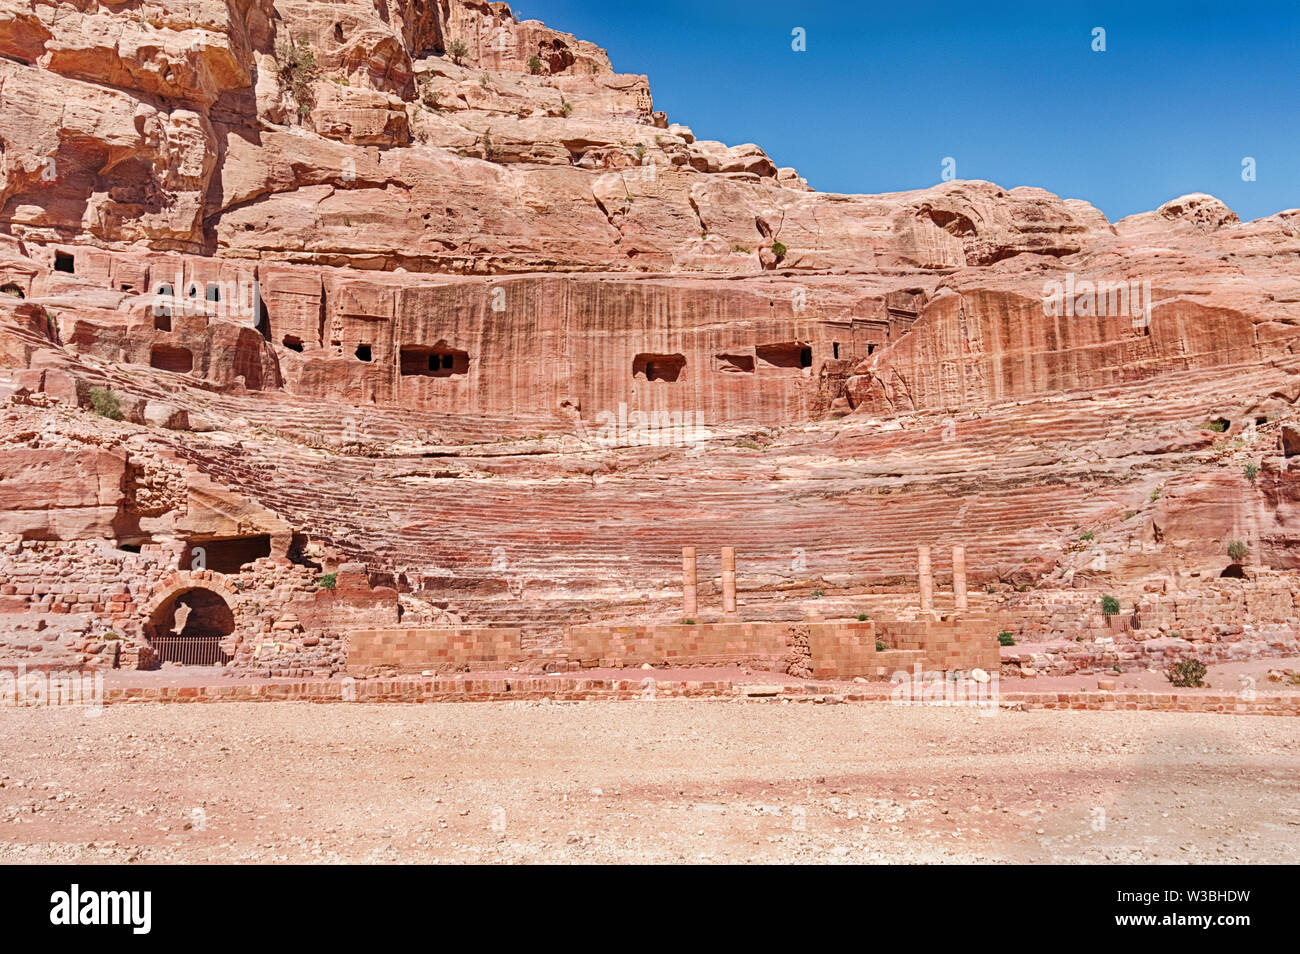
(948, 644)
(840, 649)
(763, 644)
(583, 689)
(439, 649)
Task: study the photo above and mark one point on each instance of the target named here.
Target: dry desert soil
(651, 781)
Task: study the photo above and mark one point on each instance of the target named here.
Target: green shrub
(1187, 674)
(1252, 471)
(880, 645)
(457, 50)
(817, 594)
(742, 249)
(862, 617)
(1088, 536)
(328, 581)
(1237, 551)
(298, 70)
(1005, 638)
(535, 64)
(688, 622)
(106, 404)
(1219, 425)
(779, 250)
(1155, 495)
(1110, 606)
(640, 150)
(566, 107)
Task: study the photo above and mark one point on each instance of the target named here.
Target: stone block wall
(443, 649)
(950, 643)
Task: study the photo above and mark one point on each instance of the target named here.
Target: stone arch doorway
(191, 625)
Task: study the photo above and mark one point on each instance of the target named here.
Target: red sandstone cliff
(483, 264)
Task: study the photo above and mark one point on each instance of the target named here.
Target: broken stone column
(728, 581)
(690, 591)
(959, 578)
(924, 579)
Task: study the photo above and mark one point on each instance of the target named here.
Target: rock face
(425, 287)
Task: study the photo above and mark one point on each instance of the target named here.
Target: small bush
(862, 617)
(1237, 551)
(817, 594)
(328, 581)
(566, 107)
(1088, 536)
(1187, 674)
(1006, 639)
(483, 81)
(106, 404)
(457, 50)
(1252, 471)
(779, 250)
(1155, 495)
(880, 645)
(640, 150)
(1218, 425)
(688, 622)
(298, 70)
(742, 249)
(535, 64)
(1110, 606)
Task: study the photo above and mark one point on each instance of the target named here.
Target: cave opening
(225, 556)
(658, 367)
(167, 358)
(435, 362)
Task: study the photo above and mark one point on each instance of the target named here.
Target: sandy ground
(652, 781)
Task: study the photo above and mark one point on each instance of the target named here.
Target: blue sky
(1012, 91)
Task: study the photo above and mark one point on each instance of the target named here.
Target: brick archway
(208, 635)
(180, 581)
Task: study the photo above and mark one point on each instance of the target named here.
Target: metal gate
(190, 650)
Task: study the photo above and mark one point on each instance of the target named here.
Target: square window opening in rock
(658, 367)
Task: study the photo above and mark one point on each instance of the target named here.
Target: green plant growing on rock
(880, 645)
(688, 622)
(1218, 425)
(298, 71)
(1109, 606)
(1089, 535)
(566, 107)
(328, 581)
(1252, 471)
(1237, 551)
(106, 404)
(457, 50)
(816, 594)
(862, 617)
(1187, 674)
(535, 64)
(1006, 639)
(779, 249)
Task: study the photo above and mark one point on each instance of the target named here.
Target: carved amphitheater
(354, 339)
